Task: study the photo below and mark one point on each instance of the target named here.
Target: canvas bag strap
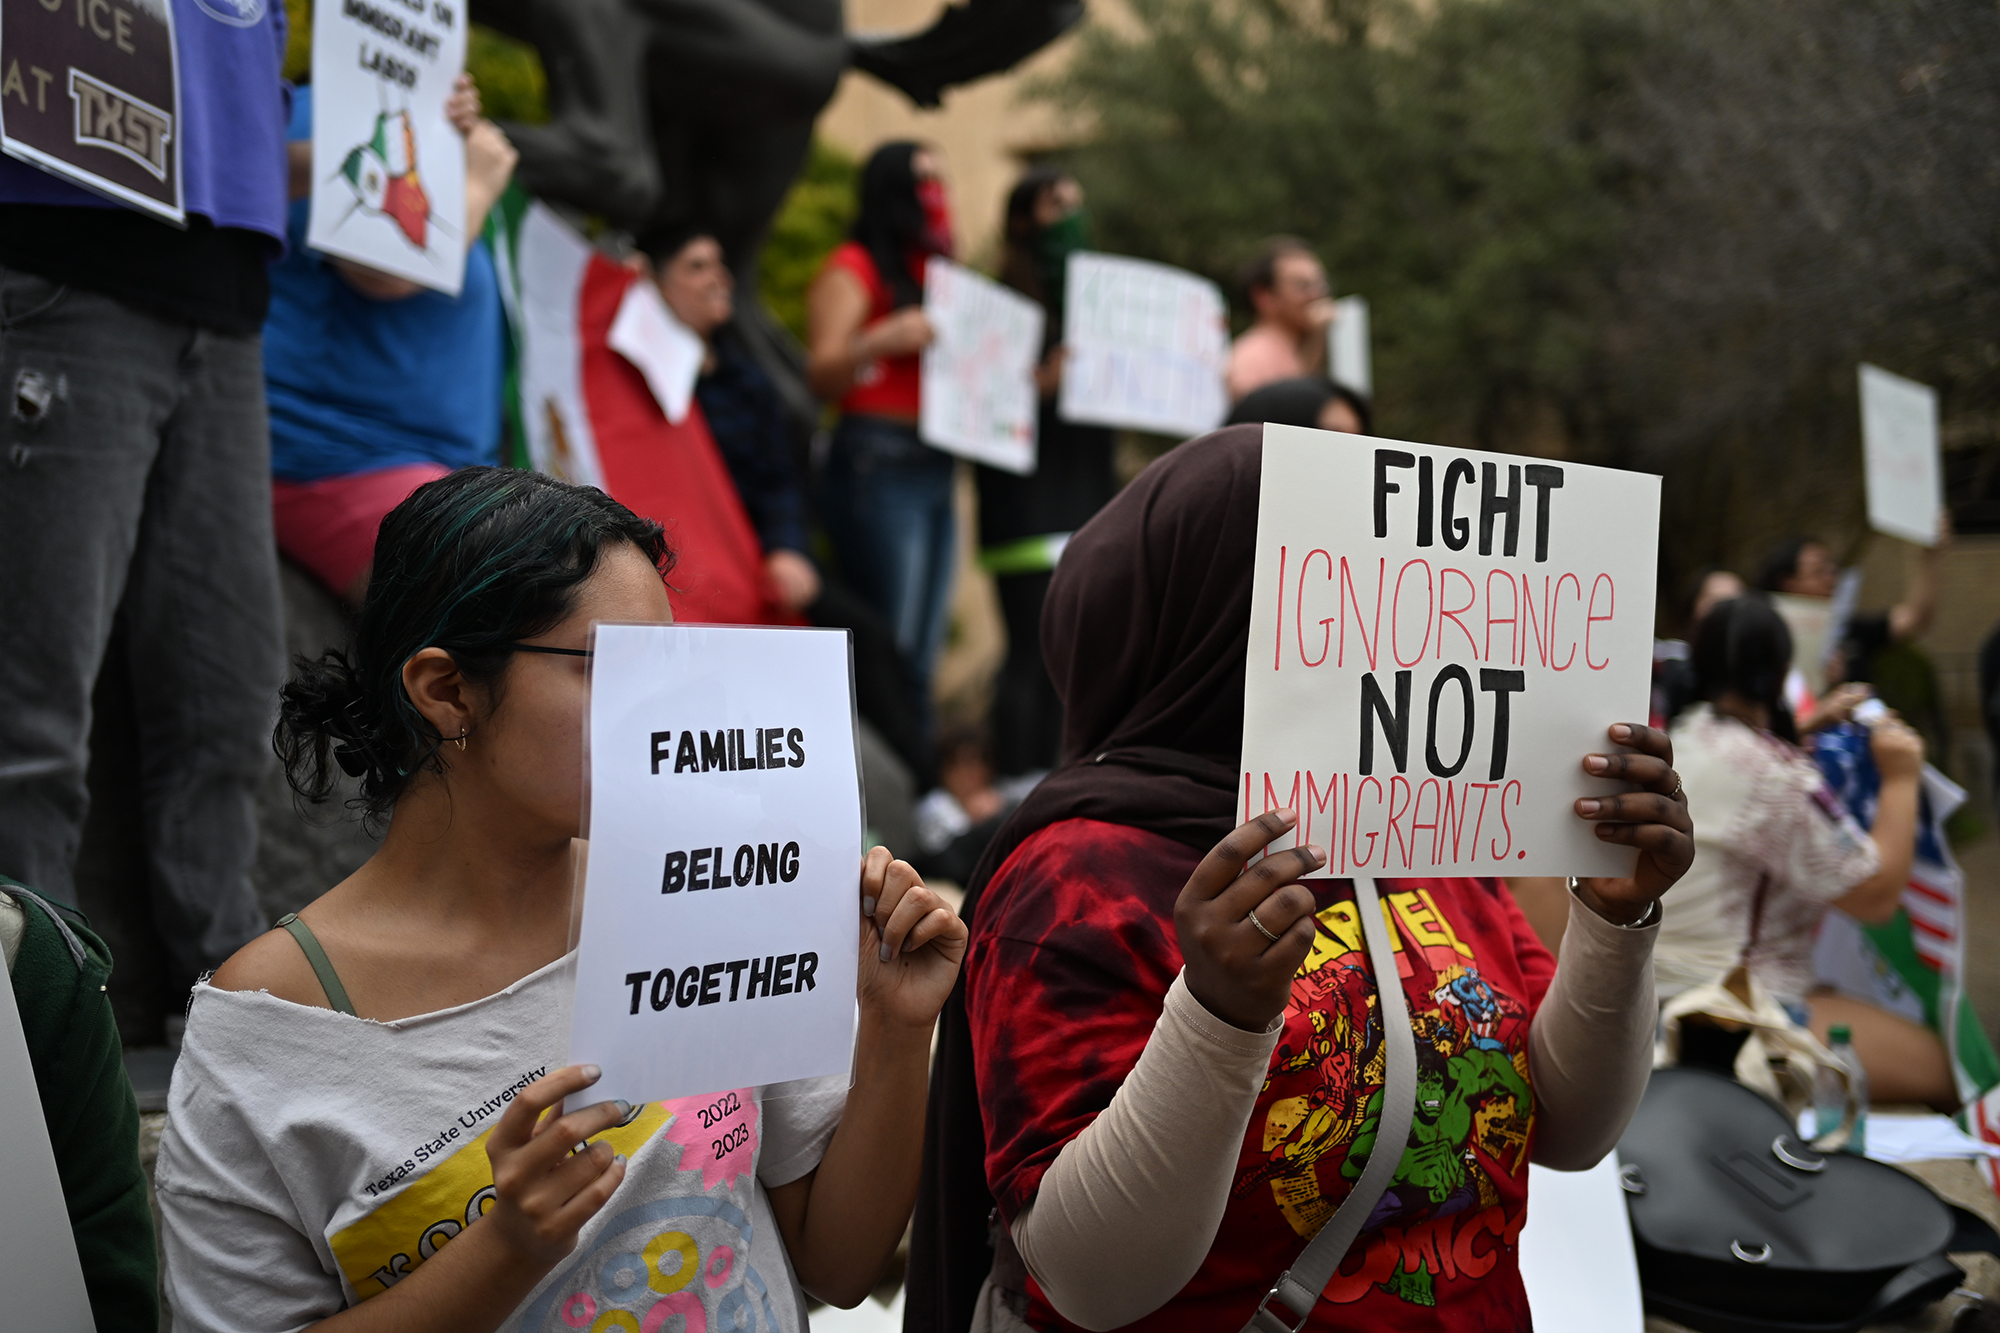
(1298, 1289)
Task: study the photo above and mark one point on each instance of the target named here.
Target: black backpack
(1740, 1227)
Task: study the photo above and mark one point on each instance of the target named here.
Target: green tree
(813, 220)
(509, 73)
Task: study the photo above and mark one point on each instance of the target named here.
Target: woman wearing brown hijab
(1165, 1071)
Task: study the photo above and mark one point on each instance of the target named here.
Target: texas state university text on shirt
(1437, 638)
(721, 909)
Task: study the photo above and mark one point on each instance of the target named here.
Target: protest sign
(1146, 346)
(979, 398)
(91, 92)
(1437, 638)
(1348, 354)
(667, 352)
(388, 183)
(721, 911)
(1899, 443)
(38, 1264)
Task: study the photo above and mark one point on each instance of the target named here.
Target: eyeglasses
(553, 652)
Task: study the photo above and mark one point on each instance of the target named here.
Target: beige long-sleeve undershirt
(1130, 1207)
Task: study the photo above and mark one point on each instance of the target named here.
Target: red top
(671, 473)
(1073, 950)
(890, 387)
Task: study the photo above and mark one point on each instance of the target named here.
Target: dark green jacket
(93, 1119)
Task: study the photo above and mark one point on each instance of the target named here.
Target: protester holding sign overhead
(886, 495)
(1234, 1087)
(362, 1132)
(138, 458)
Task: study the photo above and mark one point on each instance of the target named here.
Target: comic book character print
(1474, 1101)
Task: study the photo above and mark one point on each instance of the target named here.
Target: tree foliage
(1654, 233)
(813, 219)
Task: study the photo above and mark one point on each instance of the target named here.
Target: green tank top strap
(322, 966)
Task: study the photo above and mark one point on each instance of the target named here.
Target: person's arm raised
(841, 1221)
(545, 1195)
(1899, 758)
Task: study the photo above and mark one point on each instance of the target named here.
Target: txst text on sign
(725, 846)
(1437, 638)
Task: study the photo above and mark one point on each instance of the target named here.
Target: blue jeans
(886, 502)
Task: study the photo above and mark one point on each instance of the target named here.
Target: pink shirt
(1263, 355)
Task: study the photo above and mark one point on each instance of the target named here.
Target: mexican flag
(581, 411)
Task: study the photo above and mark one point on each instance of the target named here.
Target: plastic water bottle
(1830, 1098)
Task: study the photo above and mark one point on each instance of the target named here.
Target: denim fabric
(135, 487)
(886, 502)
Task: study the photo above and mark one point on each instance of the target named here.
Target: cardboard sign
(1347, 350)
(91, 93)
(388, 168)
(38, 1264)
(721, 911)
(1147, 346)
(667, 352)
(1437, 638)
(979, 399)
(1899, 443)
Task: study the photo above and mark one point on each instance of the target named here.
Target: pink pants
(329, 525)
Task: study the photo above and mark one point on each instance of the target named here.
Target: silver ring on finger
(1262, 929)
(1675, 793)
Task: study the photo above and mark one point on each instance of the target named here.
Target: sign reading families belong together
(1437, 638)
(721, 902)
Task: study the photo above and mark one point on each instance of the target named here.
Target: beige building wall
(987, 131)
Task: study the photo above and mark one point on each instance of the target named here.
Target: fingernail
(618, 1159)
(624, 1107)
(591, 1073)
(887, 952)
(1289, 816)
(1317, 852)
(1588, 807)
(1621, 732)
(868, 907)
(1596, 763)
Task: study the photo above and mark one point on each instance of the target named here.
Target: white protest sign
(38, 1264)
(667, 352)
(721, 911)
(1577, 1258)
(1899, 443)
(979, 398)
(1147, 346)
(1437, 638)
(388, 182)
(1347, 351)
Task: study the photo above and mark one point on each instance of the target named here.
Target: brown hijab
(1145, 632)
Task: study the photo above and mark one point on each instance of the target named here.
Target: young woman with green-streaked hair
(365, 1129)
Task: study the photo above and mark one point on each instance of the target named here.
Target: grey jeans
(135, 488)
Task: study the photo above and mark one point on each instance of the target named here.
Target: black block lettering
(688, 988)
(637, 981)
(698, 869)
(714, 751)
(1424, 500)
(735, 971)
(676, 876)
(808, 964)
(711, 984)
(788, 862)
(660, 749)
(760, 978)
(767, 863)
(663, 988)
(745, 859)
(1453, 526)
(1450, 673)
(796, 740)
(1395, 726)
(1544, 477)
(781, 980)
(1384, 488)
(1500, 684)
(684, 754)
(1492, 504)
(774, 745)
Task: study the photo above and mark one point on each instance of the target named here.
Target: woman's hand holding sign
(911, 944)
(1654, 819)
(1241, 968)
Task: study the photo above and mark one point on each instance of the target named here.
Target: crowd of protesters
(1151, 1087)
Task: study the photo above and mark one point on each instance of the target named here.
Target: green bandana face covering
(1058, 241)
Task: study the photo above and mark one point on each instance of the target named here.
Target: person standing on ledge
(1287, 289)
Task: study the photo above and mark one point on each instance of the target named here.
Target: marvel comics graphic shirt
(1073, 951)
(313, 1160)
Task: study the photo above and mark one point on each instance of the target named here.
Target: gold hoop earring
(461, 739)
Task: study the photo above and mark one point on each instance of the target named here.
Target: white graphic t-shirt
(312, 1160)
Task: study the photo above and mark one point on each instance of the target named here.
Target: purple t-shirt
(233, 114)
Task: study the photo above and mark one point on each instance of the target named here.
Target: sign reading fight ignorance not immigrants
(722, 909)
(1437, 638)
(90, 91)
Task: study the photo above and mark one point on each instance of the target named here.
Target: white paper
(1146, 346)
(1577, 1260)
(388, 183)
(1552, 613)
(1899, 442)
(790, 834)
(1347, 350)
(1912, 1138)
(667, 352)
(38, 1266)
(979, 398)
(545, 280)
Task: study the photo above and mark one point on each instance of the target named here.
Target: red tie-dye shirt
(1073, 950)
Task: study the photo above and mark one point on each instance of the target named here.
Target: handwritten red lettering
(1591, 617)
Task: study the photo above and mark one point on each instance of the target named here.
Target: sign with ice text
(1899, 445)
(1145, 346)
(979, 398)
(1437, 638)
(90, 92)
(388, 168)
(721, 911)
